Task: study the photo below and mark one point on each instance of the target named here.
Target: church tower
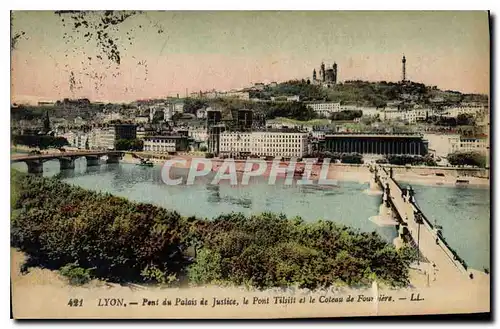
(404, 69)
(322, 72)
(314, 75)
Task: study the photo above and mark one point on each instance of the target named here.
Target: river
(463, 212)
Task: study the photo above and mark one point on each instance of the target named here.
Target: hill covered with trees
(367, 93)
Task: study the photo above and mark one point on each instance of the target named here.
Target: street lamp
(419, 220)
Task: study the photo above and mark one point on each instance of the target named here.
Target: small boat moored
(146, 163)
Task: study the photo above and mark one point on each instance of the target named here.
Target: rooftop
(166, 137)
(379, 135)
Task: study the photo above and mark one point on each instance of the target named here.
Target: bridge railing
(448, 250)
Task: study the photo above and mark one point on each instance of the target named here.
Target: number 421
(75, 302)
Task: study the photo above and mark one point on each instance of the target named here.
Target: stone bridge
(413, 227)
(66, 159)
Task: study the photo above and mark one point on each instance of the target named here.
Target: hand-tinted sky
(225, 50)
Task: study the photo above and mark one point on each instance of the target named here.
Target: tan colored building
(264, 143)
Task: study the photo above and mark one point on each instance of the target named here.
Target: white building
(319, 134)
(140, 132)
(112, 116)
(106, 138)
(201, 113)
(265, 143)
(325, 109)
(391, 114)
(416, 115)
(470, 144)
(79, 121)
(455, 111)
(370, 111)
(198, 134)
(179, 107)
(164, 144)
(294, 98)
(159, 145)
(141, 119)
(76, 139)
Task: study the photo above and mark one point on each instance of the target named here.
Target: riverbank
(447, 176)
(341, 172)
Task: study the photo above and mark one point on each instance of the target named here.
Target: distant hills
(361, 93)
(364, 93)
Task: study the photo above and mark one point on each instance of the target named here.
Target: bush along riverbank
(85, 234)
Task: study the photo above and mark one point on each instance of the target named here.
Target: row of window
(159, 141)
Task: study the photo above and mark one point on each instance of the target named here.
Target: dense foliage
(460, 120)
(367, 93)
(346, 115)
(467, 159)
(413, 160)
(56, 224)
(129, 145)
(270, 250)
(85, 233)
(354, 158)
(39, 141)
(294, 110)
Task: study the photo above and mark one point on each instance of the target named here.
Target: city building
(325, 109)
(140, 132)
(264, 143)
(125, 131)
(107, 138)
(391, 114)
(213, 117)
(198, 134)
(381, 144)
(294, 98)
(470, 144)
(165, 144)
(79, 121)
(201, 113)
(112, 117)
(416, 115)
(455, 111)
(141, 119)
(244, 95)
(214, 133)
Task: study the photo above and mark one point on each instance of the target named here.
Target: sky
(170, 53)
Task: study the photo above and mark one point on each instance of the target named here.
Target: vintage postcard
(249, 164)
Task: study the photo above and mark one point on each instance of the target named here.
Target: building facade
(264, 143)
(380, 144)
(165, 144)
(455, 111)
(325, 109)
(470, 144)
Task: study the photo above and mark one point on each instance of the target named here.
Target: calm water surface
(463, 212)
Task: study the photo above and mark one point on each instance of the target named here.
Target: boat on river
(146, 163)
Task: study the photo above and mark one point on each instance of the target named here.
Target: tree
(465, 120)
(129, 145)
(354, 158)
(467, 159)
(346, 115)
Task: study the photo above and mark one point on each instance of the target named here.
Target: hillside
(364, 93)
